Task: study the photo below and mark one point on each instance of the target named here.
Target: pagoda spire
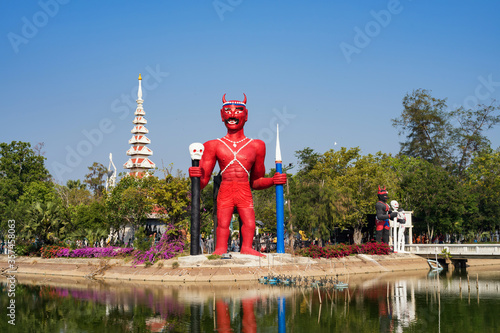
(139, 162)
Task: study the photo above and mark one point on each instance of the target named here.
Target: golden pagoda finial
(140, 78)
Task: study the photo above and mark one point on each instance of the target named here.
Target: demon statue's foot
(219, 251)
(247, 250)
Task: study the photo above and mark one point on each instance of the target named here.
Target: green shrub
(213, 257)
(26, 248)
(142, 242)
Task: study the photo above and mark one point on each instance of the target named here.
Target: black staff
(196, 151)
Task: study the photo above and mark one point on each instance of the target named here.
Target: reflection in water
(281, 315)
(248, 322)
(415, 302)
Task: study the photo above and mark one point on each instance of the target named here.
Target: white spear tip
(278, 149)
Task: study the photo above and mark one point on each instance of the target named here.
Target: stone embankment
(201, 269)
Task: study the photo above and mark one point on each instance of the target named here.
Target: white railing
(492, 249)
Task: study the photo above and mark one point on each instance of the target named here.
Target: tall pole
(280, 202)
(196, 152)
(217, 181)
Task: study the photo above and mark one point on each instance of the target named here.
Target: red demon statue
(241, 161)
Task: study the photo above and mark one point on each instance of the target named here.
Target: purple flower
(170, 244)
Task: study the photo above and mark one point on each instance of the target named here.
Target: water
(390, 302)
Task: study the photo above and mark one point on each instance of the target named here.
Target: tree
(265, 205)
(308, 206)
(26, 193)
(90, 216)
(38, 149)
(425, 123)
(95, 179)
(10, 191)
(468, 136)
(443, 194)
(171, 196)
(402, 167)
(436, 196)
(89, 221)
(75, 184)
(207, 204)
(74, 194)
(44, 222)
(351, 180)
(307, 159)
(300, 191)
(19, 166)
(130, 202)
(484, 182)
(19, 162)
(431, 135)
(336, 190)
(30, 215)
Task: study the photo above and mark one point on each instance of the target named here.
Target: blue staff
(280, 202)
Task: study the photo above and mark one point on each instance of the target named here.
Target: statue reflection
(248, 322)
(396, 304)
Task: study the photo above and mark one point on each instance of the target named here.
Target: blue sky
(327, 71)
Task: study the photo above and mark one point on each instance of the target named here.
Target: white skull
(196, 150)
(394, 205)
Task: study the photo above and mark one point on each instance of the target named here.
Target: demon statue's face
(234, 113)
(383, 195)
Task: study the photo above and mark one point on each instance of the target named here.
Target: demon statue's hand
(279, 178)
(393, 215)
(195, 172)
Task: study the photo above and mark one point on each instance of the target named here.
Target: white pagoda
(139, 162)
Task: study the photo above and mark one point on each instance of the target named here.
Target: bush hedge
(342, 250)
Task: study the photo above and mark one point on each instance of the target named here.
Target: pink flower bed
(170, 244)
(86, 252)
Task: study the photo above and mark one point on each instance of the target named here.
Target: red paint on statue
(241, 160)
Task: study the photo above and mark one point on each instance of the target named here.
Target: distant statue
(111, 180)
(384, 214)
(399, 227)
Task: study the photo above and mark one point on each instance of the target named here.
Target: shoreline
(239, 268)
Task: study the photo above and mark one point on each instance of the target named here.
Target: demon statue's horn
(381, 190)
(224, 99)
